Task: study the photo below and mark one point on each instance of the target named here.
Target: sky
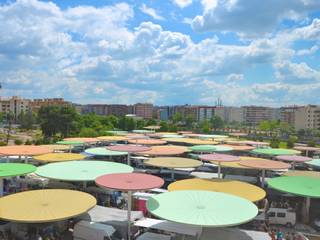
(166, 52)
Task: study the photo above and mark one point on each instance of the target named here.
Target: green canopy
(115, 132)
(298, 185)
(102, 151)
(172, 136)
(210, 148)
(70, 142)
(15, 169)
(202, 208)
(142, 131)
(212, 136)
(275, 151)
(314, 163)
(81, 170)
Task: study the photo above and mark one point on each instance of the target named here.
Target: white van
(281, 216)
(85, 230)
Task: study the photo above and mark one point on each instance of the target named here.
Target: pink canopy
(130, 148)
(294, 158)
(264, 164)
(147, 141)
(219, 157)
(129, 181)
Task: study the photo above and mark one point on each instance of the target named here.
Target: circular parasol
(129, 148)
(237, 164)
(240, 189)
(275, 151)
(112, 138)
(102, 151)
(165, 150)
(239, 147)
(24, 150)
(314, 163)
(197, 208)
(56, 147)
(81, 170)
(293, 159)
(192, 141)
(210, 148)
(59, 157)
(42, 206)
(264, 164)
(129, 182)
(81, 139)
(14, 169)
(302, 173)
(117, 132)
(218, 158)
(147, 141)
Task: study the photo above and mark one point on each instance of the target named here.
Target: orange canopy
(264, 164)
(24, 150)
(165, 150)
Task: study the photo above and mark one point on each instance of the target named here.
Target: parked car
(281, 216)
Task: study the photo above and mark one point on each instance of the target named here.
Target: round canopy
(129, 181)
(314, 163)
(212, 136)
(210, 148)
(24, 150)
(15, 169)
(293, 158)
(115, 132)
(255, 143)
(239, 134)
(237, 164)
(306, 148)
(70, 142)
(103, 151)
(171, 135)
(166, 150)
(240, 189)
(302, 173)
(41, 206)
(130, 148)
(147, 141)
(264, 164)
(239, 147)
(275, 151)
(142, 131)
(112, 138)
(155, 127)
(56, 147)
(202, 208)
(192, 141)
(81, 139)
(81, 170)
(173, 162)
(59, 157)
(298, 185)
(219, 157)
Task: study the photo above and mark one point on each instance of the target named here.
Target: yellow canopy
(241, 189)
(112, 138)
(236, 164)
(57, 147)
(173, 162)
(59, 157)
(42, 206)
(193, 141)
(302, 173)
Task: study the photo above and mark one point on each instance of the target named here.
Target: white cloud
(151, 12)
(88, 54)
(251, 18)
(235, 77)
(182, 3)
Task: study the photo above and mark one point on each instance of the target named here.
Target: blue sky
(164, 52)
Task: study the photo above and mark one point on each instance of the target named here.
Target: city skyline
(164, 52)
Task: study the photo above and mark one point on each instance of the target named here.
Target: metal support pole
(128, 159)
(263, 177)
(219, 169)
(1, 187)
(129, 213)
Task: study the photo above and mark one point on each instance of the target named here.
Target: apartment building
(205, 113)
(253, 115)
(36, 104)
(14, 105)
(307, 117)
(144, 110)
(230, 114)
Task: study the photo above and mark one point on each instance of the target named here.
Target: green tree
(9, 120)
(88, 132)
(164, 126)
(205, 127)
(26, 120)
(177, 117)
(217, 123)
(57, 120)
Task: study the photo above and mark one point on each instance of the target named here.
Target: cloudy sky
(162, 51)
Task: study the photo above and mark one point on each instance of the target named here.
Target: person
(287, 236)
(279, 235)
(273, 234)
